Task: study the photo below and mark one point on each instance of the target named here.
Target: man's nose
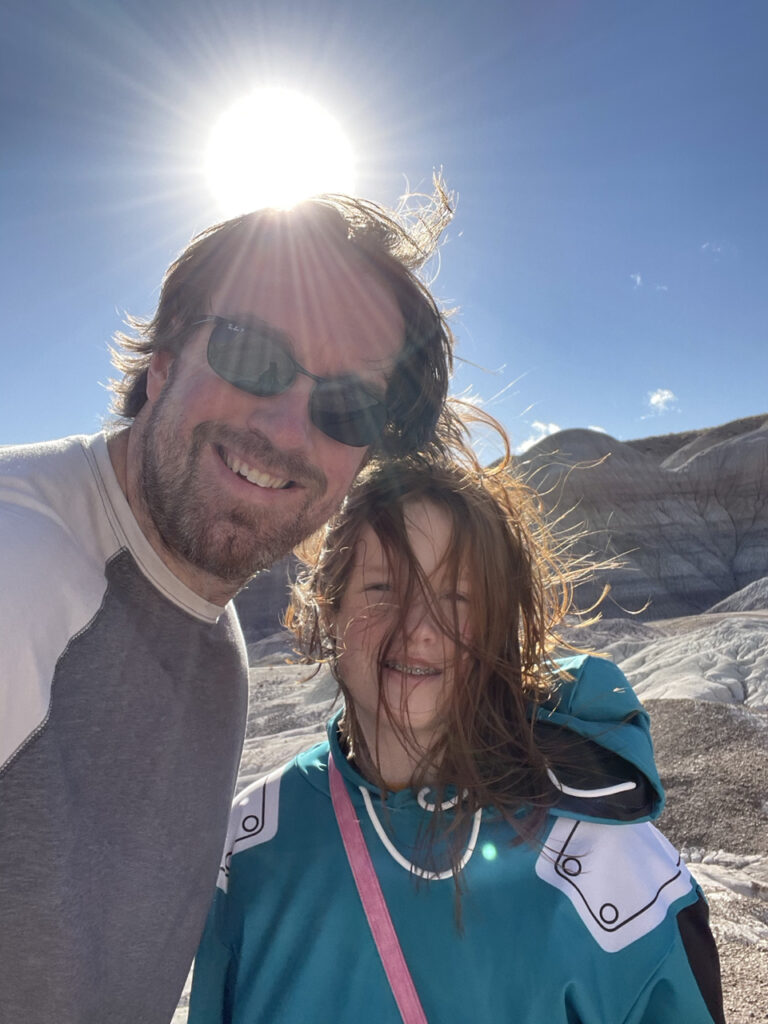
(284, 418)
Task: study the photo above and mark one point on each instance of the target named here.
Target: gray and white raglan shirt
(122, 710)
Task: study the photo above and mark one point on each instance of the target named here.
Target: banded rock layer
(687, 514)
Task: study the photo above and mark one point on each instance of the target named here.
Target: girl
(472, 843)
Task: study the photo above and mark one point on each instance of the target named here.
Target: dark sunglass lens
(250, 360)
(348, 412)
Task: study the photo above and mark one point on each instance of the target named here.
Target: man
(287, 348)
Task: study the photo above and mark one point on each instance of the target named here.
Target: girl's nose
(420, 622)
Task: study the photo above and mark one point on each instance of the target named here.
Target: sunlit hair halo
(392, 245)
(521, 588)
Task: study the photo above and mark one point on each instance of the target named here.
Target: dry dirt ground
(713, 760)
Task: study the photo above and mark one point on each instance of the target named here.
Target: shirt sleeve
(215, 973)
(686, 986)
(49, 592)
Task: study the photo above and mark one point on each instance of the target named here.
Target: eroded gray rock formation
(262, 603)
(752, 598)
(687, 513)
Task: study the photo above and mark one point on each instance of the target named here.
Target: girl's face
(414, 666)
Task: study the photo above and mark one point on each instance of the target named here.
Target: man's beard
(210, 531)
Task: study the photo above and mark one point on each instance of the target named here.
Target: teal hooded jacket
(599, 923)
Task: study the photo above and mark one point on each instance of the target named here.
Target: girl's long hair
(520, 591)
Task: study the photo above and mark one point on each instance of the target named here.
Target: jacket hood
(596, 721)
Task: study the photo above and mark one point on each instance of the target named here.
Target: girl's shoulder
(260, 809)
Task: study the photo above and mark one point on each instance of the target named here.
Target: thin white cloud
(719, 252)
(638, 282)
(661, 400)
(600, 430)
(540, 431)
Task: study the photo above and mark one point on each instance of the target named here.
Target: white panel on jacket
(253, 821)
(621, 879)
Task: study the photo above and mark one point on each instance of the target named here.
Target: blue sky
(609, 252)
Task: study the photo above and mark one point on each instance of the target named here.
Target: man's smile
(250, 473)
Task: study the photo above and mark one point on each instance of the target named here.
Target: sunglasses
(257, 360)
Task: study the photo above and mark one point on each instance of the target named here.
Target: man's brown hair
(391, 245)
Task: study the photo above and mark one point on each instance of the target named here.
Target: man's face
(231, 482)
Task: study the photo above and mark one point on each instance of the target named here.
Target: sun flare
(275, 147)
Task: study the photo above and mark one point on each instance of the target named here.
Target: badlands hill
(688, 514)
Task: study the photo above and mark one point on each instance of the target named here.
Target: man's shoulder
(38, 456)
(50, 503)
(54, 541)
(50, 478)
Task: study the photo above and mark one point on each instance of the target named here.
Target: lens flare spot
(489, 851)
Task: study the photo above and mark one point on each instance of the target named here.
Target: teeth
(253, 476)
(411, 670)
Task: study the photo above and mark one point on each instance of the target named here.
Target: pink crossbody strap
(374, 904)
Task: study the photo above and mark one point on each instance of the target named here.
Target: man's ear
(157, 373)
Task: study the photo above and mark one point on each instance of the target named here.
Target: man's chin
(235, 554)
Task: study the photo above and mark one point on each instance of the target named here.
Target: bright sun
(275, 147)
